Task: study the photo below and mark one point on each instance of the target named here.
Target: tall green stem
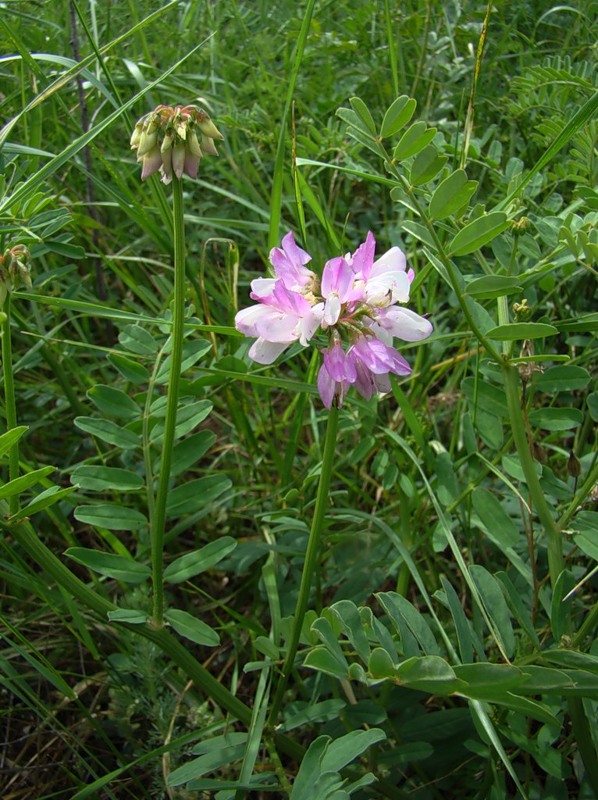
(311, 557)
(158, 519)
(556, 562)
(9, 400)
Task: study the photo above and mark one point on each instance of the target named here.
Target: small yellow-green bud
(207, 127)
(193, 144)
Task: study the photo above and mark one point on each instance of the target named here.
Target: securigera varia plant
(167, 139)
(357, 304)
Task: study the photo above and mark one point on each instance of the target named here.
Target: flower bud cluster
(354, 303)
(14, 270)
(173, 141)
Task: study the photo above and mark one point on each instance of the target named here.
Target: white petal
(405, 324)
(392, 261)
(263, 352)
(332, 309)
(279, 327)
(263, 287)
(247, 319)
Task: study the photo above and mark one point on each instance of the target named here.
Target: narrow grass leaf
(24, 482)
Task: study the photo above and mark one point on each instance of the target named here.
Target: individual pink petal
(339, 367)
(363, 258)
(289, 261)
(326, 386)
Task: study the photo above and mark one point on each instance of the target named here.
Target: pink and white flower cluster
(355, 303)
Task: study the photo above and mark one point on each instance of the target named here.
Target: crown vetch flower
(355, 304)
(166, 139)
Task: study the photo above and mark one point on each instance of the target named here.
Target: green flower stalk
(173, 141)
(14, 271)
(167, 140)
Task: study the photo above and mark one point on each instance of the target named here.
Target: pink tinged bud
(191, 164)
(152, 161)
(326, 386)
(178, 159)
(166, 168)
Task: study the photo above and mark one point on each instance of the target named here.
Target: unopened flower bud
(178, 159)
(208, 146)
(166, 139)
(207, 127)
(520, 226)
(522, 311)
(136, 135)
(193, 144)
(147, 142)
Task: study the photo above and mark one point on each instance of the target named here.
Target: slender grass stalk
(311, 556)
(158, 519)
(10, 403)
(556, 562)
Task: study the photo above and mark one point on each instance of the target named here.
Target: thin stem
(311, 556)
(556, 562)
(158, 519)
(9, 399)
(446, 261)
